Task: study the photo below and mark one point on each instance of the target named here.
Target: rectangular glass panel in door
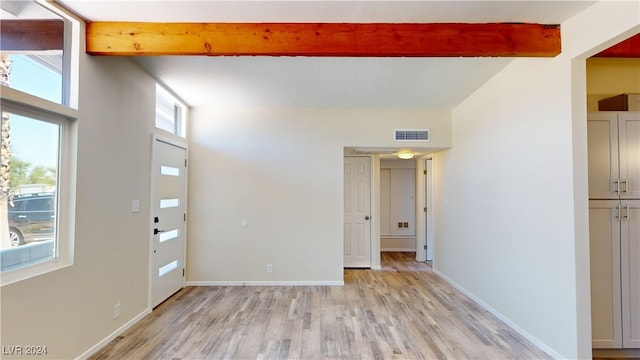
(169, 210)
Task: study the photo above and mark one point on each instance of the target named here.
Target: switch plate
(135, 206)
(269, 268)
(116, 311)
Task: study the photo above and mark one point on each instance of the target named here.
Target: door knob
(156, 231)
(367, 217)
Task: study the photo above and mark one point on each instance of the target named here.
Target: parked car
(32, 217)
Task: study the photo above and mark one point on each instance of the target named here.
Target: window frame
(66, 116)
(180, 124)
(65, 194)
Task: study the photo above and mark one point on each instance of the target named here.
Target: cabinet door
(629, 144)
(602, 132)
(604, 238)
(630, 269)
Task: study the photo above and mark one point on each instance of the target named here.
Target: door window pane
(169, 235)
(169, 171)
(164, 270)
(169, 203)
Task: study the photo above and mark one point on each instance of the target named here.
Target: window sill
(30, 271)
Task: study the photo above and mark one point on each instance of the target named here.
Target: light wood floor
(404, 311)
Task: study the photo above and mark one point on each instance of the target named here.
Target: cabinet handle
(626, 213)
(617, 184)
(624, 181)
(618, 212)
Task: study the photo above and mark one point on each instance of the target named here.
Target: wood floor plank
(403, 311)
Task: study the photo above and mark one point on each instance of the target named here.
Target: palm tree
(5, 158)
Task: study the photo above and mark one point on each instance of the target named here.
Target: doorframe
(181, 143)
(424, 222)
(375, 212)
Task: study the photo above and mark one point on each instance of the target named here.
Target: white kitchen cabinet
(606, 284)
(630, 272)
(614, 228)
(614, 155)
(615, 273)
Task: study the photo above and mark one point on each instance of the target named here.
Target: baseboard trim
(95, 348)
(397, 249)
(265, 283)
(542, 346)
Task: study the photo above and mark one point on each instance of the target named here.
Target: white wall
(516, 178)
(71, 310)
(281, 171)
(506, 179)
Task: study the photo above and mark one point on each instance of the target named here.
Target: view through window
(31, 61)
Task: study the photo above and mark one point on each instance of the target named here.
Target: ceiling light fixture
(405, 154)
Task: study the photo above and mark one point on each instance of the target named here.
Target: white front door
(357, 212)
(169, 207)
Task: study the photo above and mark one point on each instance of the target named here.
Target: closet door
(385, 202)
(630, 271)
(606, 312)
(629, 144)
(602, 132)
(403, 202)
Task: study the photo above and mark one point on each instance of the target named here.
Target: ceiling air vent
(412, 135)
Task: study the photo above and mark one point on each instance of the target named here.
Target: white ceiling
(324, 82)
(305, 82)
(536, 11)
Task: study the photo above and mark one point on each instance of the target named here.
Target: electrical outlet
(116, 311)
(269, 268)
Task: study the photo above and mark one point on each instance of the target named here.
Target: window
(38, 132)
(171, 114)
(33, 44)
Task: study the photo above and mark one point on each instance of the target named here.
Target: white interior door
(357, 212)
(169, 206)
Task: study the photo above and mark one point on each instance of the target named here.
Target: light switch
(135, 206)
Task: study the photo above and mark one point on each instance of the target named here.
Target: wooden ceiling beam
(629, 48)
(31, 35)
(324, 39)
